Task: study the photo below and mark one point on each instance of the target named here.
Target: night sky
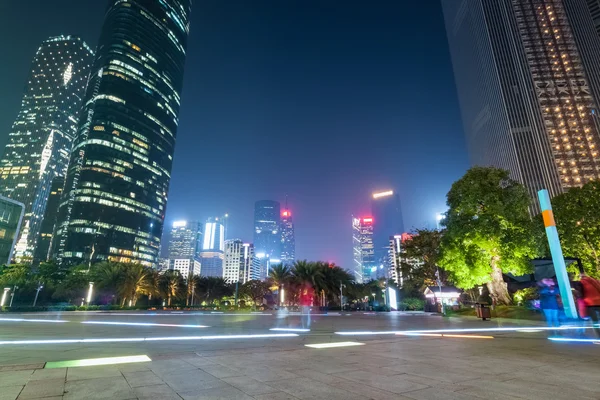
(324, 101)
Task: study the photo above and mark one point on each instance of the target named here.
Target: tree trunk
(169, 302)
(497, 287)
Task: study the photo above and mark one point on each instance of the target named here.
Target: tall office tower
(234, 264)
(118, 177)
(528, 79)
(184, 241)
(267, 235)
(363, 249)
(11, 218)
(594, 8)
(212, 255)
(288, 239)
(39, 143)
(49, 221)
(387, 216)
(251, 266)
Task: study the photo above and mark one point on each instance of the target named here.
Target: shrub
(522, 296)
(411, 304)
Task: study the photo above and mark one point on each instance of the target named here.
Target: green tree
(577, 215)
(109, 276)
(420, 259)
(135, 282)
(488, 231)
(280, 276)
(255, 290)
(171, 285)
(333, 278)
(211, 288)
(74, 285)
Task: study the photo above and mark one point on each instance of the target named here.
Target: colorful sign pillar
(557, 255)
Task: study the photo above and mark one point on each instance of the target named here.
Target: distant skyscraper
(118, 177)
(39, 143)
(267, 235)
(387, 221)
(233, 266)
(528, 79)
(363, 249)
(11, 217)
(288, 239)
(49, 220)
(184, 241)
(213, 248)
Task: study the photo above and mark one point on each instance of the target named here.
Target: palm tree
(210, 288)
(136, 282)
(108, 275)
(333, 278)
(308, 275)
(171, 284)
(280, 275)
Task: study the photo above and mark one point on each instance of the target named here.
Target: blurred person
(306, 300)
(591, 298)
(549, 302)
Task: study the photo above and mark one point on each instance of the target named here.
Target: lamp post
(37, 292)
(6, 290)
(12, 295)
(90, 292)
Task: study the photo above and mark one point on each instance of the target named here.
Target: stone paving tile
(264, 374)
(134, 367)
(525, 390)
(395, 384)
(222, 393)
(249, 386)
(219, 371)
(439, 394)
(183, 381)
(276, 396)
(113, 388)
(319, 376)
(198, 361)
(21, 367)
(483, 393)
(142, 378)
(53, 373)
(166, 367)
(103, 371)
(368, 391)
(305, 388)
(44, 388)
(14, 378)
(154, 392)
(10, 392)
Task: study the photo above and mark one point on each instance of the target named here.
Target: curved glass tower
(41, 137)
(118, 177)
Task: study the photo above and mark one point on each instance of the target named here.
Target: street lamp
(90, 292)
(37, 292)
(438, 218)
(282, 300)
(6, 290)
(12, 295)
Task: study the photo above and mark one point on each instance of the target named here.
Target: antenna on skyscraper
(286, 203)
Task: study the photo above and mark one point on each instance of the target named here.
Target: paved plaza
(266, 356)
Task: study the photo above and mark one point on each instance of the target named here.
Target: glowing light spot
(331, 345)
(290, 329)
(97, 361)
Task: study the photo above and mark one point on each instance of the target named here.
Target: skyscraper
(40, 140)
(184, 241)
(11, 217)
(49, 221)
(288, 239)
(267, 235)
(387, 221)
(118, 177)
(213, 248)
(233, 265)
(528, 79)
(363, 249)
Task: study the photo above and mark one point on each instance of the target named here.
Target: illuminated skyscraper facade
(528, 80)
(233, 265)
(11, 217)
(288, 239)
(387, 216)
(185, 239)
(363, 249)
(213, 248)
(49, 221)
(267, 234)
(39, 143)
(118, 177)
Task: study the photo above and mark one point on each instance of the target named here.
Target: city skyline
(271, 85)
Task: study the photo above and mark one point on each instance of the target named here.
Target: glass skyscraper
(39, 143)
(185, 239)
(267, 234)
(528, 79)
(118, 177)
(213, 248)
(288, 239)
(363, 249)
(387, 221)
(11, 217)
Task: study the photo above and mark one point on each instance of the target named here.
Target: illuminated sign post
(557, 255)
(391, 299)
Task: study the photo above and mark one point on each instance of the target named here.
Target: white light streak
(142, 324)
(331, 345)
(31, 320)
(512, 329)
(290, 329)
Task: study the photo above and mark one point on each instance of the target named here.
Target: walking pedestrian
(591, 298)
(549, 302)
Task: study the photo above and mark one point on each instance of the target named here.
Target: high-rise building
(387, 221)
(252, 264)
(288, 239)
(49, 221)
(11, 217)
(363, 249)
(528, 79)
(185, 239)
(400, 259)
(39, 143)
(185, 266)
(118, 178)
(234, 263)
(267, 234)
(213, 248)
